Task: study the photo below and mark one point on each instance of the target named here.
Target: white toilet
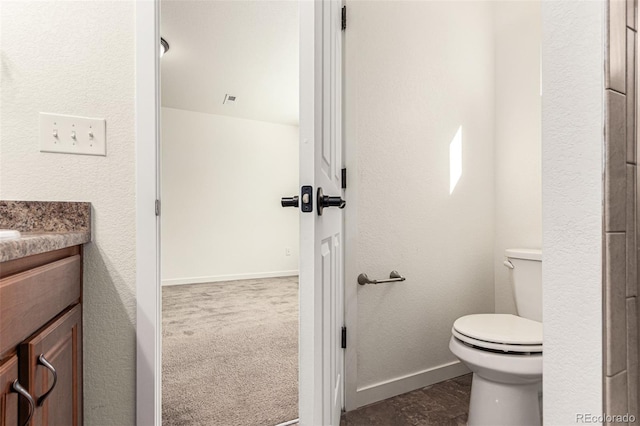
(505, 351)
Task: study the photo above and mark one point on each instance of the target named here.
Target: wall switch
(287, 251)
(73, 135)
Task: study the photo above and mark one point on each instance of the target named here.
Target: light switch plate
(73, 135)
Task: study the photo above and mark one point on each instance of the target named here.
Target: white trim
(398, 386)
(290, 422)
(148, 294)
(232, 277)
(310, 378)
(350, 148)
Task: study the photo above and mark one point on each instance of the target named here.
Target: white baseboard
(289, 423)
(232, 277)
(389, 388)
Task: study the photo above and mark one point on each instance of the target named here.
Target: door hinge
(344, 18)
(343, 344)
(344, 178)
(157, 207)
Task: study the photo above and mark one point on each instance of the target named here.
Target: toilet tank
(527, 281)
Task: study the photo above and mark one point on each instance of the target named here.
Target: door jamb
(148, 291)
(309, 340)
(350, 226)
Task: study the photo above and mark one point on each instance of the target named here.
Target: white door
(321, 239)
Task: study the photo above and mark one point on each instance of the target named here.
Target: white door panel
(321, 251)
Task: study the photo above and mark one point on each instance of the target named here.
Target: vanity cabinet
(51, 370)
(8, 396)
(41, 339)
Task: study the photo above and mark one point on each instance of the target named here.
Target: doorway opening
(229, 253)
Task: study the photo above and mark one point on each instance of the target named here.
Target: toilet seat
(500, 332)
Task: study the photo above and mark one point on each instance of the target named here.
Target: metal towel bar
(394, 276)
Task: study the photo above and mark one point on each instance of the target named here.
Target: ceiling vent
(229, 99)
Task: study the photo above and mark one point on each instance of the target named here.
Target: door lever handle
(289, 201)
(328, 201)
(306, 199)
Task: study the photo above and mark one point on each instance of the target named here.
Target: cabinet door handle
(43, 361)
(17, 388)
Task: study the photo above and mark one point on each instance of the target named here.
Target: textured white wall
(78, 58)
(572, 141)
(88, 70)
(518, 205)
(421, 70)
(222, 180)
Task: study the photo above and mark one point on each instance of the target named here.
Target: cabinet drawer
(30, 299)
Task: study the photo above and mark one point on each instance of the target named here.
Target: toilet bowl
(504, 351)
(507, 370)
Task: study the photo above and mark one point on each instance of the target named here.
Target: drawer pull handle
(43, 361)
(17, 388)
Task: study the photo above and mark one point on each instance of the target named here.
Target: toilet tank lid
(526, 254)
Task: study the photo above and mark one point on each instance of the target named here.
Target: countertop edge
(41, 242)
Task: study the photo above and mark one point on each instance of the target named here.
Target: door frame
(148, 277)
(148, 290)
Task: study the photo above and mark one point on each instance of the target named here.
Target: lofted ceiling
(248, 49)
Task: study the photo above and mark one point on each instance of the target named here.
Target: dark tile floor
(442, 404)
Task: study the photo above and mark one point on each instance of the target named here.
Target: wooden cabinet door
(8, 397)
(58, 402)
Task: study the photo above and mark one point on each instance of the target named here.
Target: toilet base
(499, 404)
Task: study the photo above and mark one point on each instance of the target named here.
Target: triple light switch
(72, 135)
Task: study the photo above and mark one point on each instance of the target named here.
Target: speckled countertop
(44, 226)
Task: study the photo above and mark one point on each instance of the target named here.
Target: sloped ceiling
(248, 49)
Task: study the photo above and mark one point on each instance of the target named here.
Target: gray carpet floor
(230, 353)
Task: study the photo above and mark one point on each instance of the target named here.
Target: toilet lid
(500, 329)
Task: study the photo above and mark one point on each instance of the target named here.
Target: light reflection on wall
(455, 160)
